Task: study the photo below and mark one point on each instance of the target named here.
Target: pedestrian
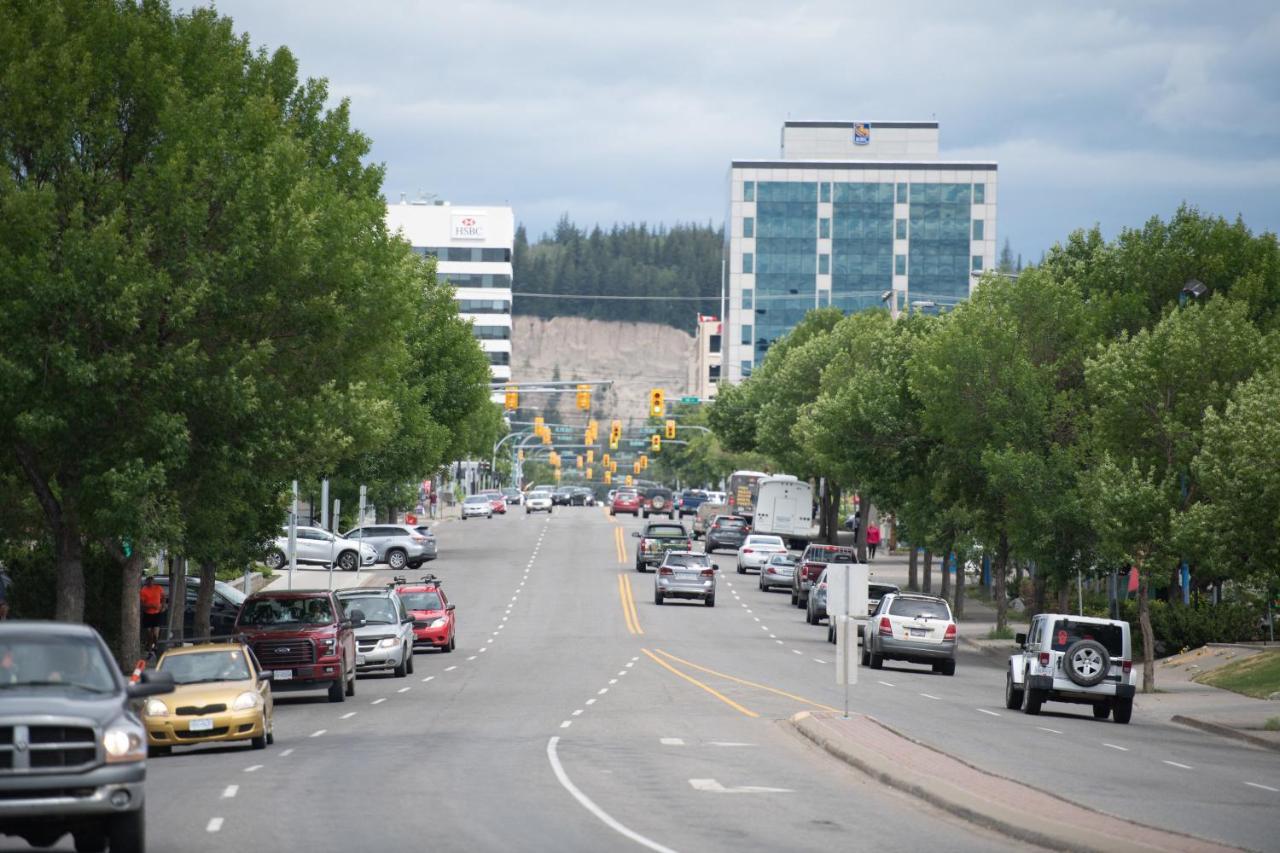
(873, 538)
(431, 502)
(5, 583)
(151, 597)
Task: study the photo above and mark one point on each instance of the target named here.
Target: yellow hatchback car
(220, 694)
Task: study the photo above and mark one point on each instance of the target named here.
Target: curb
(1225, 731)
(990, 651)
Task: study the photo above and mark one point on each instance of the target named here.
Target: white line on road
(587, 804)
(1051, 731)
(252, 767)
(622, 672)
(428, 678)
(591, 701)
(631, 663)
(818, 660)
(450, 668)
(378, 701)
(287, 753)
(602, 691)
(779, 642)
(930, 696)
(748, 609)
(634, 659)
(796, 652)
(472, 657)
(577, 713)
(887, 684)
(1176, 764)
(404, 689)
(566, 724)
(1113, 746)
(347, 715)
(991, 713)
(715, 787)
(762, 627)
(730, 743)
(317, 733)
(484, 649)
(613, 681)
(1263, 787)
(214, 824)
(671, 741)
(230, 791)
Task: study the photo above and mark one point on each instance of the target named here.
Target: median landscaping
(1257, 676)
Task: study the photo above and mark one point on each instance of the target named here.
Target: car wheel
(1101, 710)
(877, 661)
(347, 561)
(741, 569)
(396, 559)
(127, 832)
(351, 684)
(866, 656)
(271, 733)
(761, 584)
(527, 510)
(612, 513)
(402, 668)
(408, 654)
(657, 597)
(259, 742)
(948, 667)
(711, 600)
(646, 515)
(1032, 699)
(464, 518)
(1012, 696)
(336, 693)
(831, 633)
(795, 599)
(274, 559)
(1122, 709)
(449, 646)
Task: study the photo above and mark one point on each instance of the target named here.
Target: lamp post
(1192, 289)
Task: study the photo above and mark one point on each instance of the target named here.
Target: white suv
(1078, 659)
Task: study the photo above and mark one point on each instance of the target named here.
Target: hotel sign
(468, 226)
(862, 133)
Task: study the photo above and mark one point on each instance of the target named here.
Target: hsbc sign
(468, 226)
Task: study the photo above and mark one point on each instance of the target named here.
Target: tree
(1006, 262)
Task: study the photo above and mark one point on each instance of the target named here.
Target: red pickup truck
(304, 638)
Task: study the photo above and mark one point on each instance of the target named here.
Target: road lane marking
(887, 684)
(214, 824)
(671, 741)
(404, 689)
(1051, 731)
(287, 753)
(779, 642)
(577, 713)
(1113, 746)
(712, 786)
(347, 715)
(602, 691)
(566, 724)
(930, 696)
(985, 711)
(622, 672)
(1176, 764)
(230, 791)
(730, 743)
(754, 684)
(590, 702)
(1263, 787)
(689, 678)
(428, 678)
(613, 681)
(317, 733)
(450, 668)
(472, 657)
(819, 660)
(629, 613)
(797, 652)
(586, 803)
(253, 768)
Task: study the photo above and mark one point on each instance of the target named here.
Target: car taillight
(886, 627)
(747, 551)
(1044, 658)
(770, 570)
(708, 573)
(1127, 666)
(663, 570)
(418, 538)
(715, 527)
(951, 632)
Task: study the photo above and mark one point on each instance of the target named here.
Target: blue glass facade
(862, 245)
(786, 257)
(938, 254)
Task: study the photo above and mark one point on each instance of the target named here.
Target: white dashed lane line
(450, 668)
(887, 684)
(1113, 746)
(214, 824)
(930, 696)
(1263, 787)
(566, 724)
(378, 701)
(230, 791)
(253, 768)
(347, 715)
(317, 733)
(404, 689)
(287, 753)
(1180, 766)
(428, 678)
(797, 651)
(1050, 731)
(990, 713)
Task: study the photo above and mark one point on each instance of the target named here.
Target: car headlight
(155, 708)
(388, 643)
(436, 623)
(246, 701)
(123, 742)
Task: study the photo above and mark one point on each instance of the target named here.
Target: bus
(742, 492)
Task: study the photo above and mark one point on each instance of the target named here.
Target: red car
(625, 501)
(434, 622)
(305, 639)
(498, 501)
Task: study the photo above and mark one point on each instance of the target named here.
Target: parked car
(318, 547)
(434, 617)
(657, 538)
(875, 592)
(914, 628)
(625, 500)
(476, 506)
(1079, 659)
(80, 764)
(756, 550)
(537, 501)
(778, 571)
(816, 607)
(514, 497)
(222, 609)
(812, 562)
(658, 501)
(689, 500)
(705, 515)
(385, 640)
(397, 545)
(726, 531)
(220, 694)
(685, 574)
(305, 638)
(431, 547)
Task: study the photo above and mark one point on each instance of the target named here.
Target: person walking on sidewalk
(151, 598)
(873, 539)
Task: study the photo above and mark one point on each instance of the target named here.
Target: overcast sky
(1096, 112)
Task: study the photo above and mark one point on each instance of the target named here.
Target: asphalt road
(578, 715)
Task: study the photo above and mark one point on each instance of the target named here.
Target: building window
(746, 368)
(746, 298)
(713, 373)
(749, 191)
(976, 264)
(900, 229)
(824, 298)
(746, 334)
(748, 262)
(713, 344)
(901, 197)
(899, 264)
(824, 264)
(484, 306)
(749, 226)
(978, 229)
(979, 193)
(824, 192)
(824, 228)
(499, 357)
(486, 280)
(492, 333)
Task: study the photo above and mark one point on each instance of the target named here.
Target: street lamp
(1192, 289)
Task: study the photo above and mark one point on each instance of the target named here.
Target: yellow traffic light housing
(591, 456)
(520, 455)
(671, 428)
(604, 460)
(608, 478)
(511, 400)
(657, 408)
(644, 461)
(629, 480)
(655, 443)
(557, 473)
(635, 469)
(584, 397)
(590, 474)
(579, 460)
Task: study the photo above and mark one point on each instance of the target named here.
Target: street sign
(691, 400)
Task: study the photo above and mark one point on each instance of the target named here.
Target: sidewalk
(1012, 808)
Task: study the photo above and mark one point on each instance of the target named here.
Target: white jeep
(1077, 659)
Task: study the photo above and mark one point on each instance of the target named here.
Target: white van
(784, 507)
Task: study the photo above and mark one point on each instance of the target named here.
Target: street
(577, 715)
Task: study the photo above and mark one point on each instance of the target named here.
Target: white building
(705, 377)
(852, 214)
(472, 247)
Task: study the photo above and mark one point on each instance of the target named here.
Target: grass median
(1257, 675)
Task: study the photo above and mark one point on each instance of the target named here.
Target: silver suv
(397, 545)
(1080, 659)
(385, 641)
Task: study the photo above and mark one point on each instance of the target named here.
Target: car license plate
(201, 725)
(918, 632)
(282, 674)
(359, 660)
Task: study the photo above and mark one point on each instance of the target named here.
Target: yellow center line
(620, 544)
(631, 602)
(746, 683)
(628, 604)
(725, 699)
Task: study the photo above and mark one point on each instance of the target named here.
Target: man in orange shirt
(152, 600)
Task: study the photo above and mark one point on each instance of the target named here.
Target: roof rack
(428, 578)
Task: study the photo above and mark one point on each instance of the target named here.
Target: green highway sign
(637, 442)
(694, 400)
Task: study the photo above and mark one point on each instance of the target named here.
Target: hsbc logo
(468, 226)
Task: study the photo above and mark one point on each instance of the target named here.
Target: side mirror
(266, 675)
(152, 682)
(451, 607)
(635, 535)
(1020, 639)
(406, 620)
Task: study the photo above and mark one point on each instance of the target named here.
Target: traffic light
(520, 455)
(604, 460)
(579, 460)
(584, 397)
(557, 473)
(629, 481)
(635, 469)
(613, 466)
(644, 461)
(591, 456)
(554, 459)
(589, 474)
(538, 423)
(608, 478)
(615, 434)
(511, 400)
(656, 407)
(655, 443)
(546, 436)
(671, 428)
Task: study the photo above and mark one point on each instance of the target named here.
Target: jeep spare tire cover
(658, 502)
(1087, 662)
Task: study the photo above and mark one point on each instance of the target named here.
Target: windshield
(43, 660)
(477, 499)
(877, 590)
(540, 495)
(200, 667)
(765, 540)
(421, 600)
(665, 531)
(377, 609)
(916, 608)
(688, 560)
(783, 560)
(731, 522)
(269, 612)
(1068, 631)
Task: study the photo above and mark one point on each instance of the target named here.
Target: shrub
(1177, 627)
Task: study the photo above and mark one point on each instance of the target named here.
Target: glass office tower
(856, 215)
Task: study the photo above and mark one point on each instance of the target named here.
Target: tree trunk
(177, 599)
(204, 600)
(864, 519)
(957, 609)
(998, 587)
(1017, 577)
(829, 507)
(1064, 596)
(1038, 603)
(928, 570)
(130, 606)
(913, 569)
(64, 528)
(1148, 636)
(946, 574)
